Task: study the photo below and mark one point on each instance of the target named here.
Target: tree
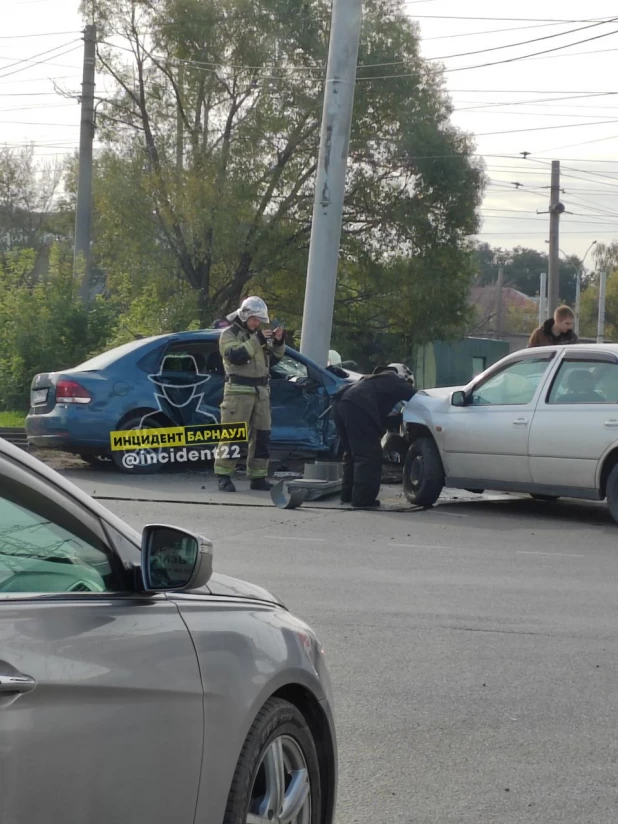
(523, 268)
(28, 201)
(44, 326)
(590, 307)
(211, 145)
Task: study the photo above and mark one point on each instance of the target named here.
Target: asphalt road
(473, 649)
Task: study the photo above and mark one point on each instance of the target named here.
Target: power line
(507, 19)
(38, 34)
(547, 128)
(34, 56)
(527, 42)
(38, 62)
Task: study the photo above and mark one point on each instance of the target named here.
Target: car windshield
(104, 360)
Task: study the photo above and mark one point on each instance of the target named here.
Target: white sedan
(541, 421)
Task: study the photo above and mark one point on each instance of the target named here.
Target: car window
(585, 382)
(514, 385)
(41, 554)
(194, 359)
(105, 359)
(288, 368)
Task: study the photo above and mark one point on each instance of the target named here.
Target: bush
(44, 326)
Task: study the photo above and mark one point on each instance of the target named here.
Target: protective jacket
(247, 358)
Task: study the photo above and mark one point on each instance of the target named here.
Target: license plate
(39, 396)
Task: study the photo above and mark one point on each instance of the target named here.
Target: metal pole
(83, 206)
(553, 289)
(601, 323)
(578, 300)
(499, 291)
(330, 180)
(543, 299)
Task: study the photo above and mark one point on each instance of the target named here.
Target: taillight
(71, 392)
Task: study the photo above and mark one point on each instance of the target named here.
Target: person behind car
(247, 352)
(555, 331)
(360, 413)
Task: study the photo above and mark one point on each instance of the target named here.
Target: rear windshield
(105, 359)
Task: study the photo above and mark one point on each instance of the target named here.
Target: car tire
(279, 738)
(611, 493)
(545, 498)
(117, 456)
(423, 473)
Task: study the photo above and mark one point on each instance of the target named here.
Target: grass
(16, 419)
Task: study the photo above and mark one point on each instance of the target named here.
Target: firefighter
(360, 414)
(247, 351)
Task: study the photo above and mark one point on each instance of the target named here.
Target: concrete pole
(602, 290)
(578, 300)
(543, 299)
(83, 206)
(330, 180)
(180, 135)
(553, 288)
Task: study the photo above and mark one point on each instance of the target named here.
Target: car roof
(26, 461)
(575, 347)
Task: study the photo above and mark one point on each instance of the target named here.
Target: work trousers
(252, 408)
(361, 441)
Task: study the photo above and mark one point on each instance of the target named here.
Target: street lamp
(578, 283)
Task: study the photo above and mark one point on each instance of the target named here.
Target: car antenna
(136, 335)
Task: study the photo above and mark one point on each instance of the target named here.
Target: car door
(487, 438)
(100, 692)
(576, 421)
(297, 397)
(189, 384)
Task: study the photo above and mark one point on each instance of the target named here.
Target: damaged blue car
(174, 380)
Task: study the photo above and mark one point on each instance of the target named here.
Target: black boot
(373, 505)
(226, 484)
(261, 485)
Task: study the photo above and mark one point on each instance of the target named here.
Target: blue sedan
(173, 380)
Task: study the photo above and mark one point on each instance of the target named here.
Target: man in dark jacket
(360, 414)
(556, 331)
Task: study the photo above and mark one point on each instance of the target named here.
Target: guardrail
(15, 435)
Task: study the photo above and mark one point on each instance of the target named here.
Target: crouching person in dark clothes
(247, 352)
(360, 414)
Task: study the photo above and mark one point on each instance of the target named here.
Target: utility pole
(83, 207)
(330, 180)
(543, 299)
(499, 293)
(601, 321)
(555, 210)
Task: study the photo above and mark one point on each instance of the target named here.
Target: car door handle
(611, 424)
(16, 684)
(520, 422)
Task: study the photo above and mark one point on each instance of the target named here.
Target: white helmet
(402, 371)
(252, 307)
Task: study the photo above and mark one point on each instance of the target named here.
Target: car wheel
(546, 498)
(145, 464)
(423, 473)
(611, 493)
(277, 777)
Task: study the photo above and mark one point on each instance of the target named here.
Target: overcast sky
(542, 105)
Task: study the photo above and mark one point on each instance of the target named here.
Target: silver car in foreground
(541, 421)
(136, 685)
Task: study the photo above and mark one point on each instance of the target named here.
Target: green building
(455, 364)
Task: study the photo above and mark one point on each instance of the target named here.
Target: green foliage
(589, 313)
(245, 107)
(12, 419)
(43, 324)
(523, 268)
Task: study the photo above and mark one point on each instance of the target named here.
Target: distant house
(514, 313)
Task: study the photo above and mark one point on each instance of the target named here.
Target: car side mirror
(174, 559)
(458, 399)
